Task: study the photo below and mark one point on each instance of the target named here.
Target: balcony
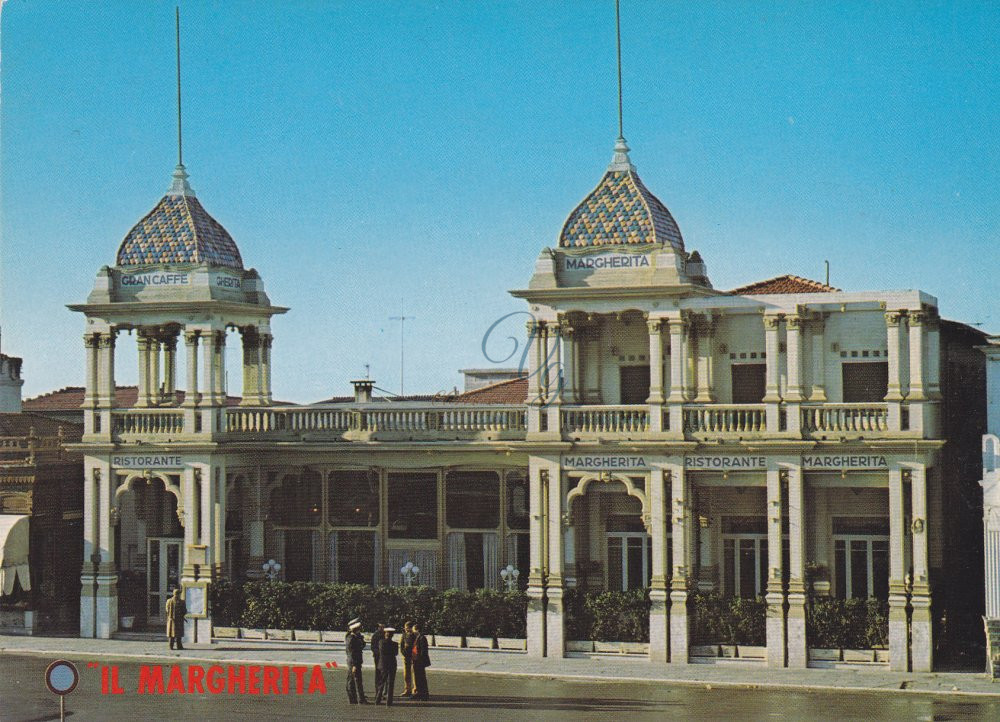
(442, 421)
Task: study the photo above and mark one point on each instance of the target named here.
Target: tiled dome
(620, 211)
(179, 230)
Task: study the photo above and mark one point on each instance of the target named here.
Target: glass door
(163, 570)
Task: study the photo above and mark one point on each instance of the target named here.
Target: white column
(818, 392)
(898, 647)
(533, 357)
(251, 367)
(554, 618)
(655, 326)
(569, 363)
(192, 395)
(679, 509)
(892, 326)
(775, 597)
(266, 340)
(921, 628)
(155, 387)
(144, 344)
(772, 389)
(933, 371)
(91, 344)
(706, 332)
(797, 520)
(169, 369)
(91, 549)
(793, 325)
(107, 576)
(536, 576)
(554, 396)
(916, 337)
(220, 367)
(659, 636)
(678, 369)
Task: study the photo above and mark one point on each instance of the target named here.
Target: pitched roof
(512, 391)
(783, 284)
(179, 230)
(70, 398)
(21, 424)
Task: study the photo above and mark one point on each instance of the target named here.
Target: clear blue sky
(364, 152)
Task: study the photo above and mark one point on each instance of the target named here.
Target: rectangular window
(353, 498)
(744, 565)
(517, 500)
(749, 382)
(472, 499)
(298, 555)
(629, 560)
(861, 565)
(865, 382)
(356, 557)
(634, 384)
(413, 511)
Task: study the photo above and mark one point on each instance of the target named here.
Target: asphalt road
(25, 698)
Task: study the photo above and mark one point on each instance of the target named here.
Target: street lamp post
(409, 572)
(509, 575)
(271, 569)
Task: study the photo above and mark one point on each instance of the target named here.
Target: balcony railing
(844, 418)
(437, 421)
(147, 423)
(605, 419)
(721, 420)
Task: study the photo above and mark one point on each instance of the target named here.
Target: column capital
(794, 323)
(655, 325)
(771, 323)
(191, 337)
(894, 318)
(917, 318)
(106, 340)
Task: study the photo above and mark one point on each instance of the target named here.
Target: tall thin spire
(618, 34)
(620, 160)
(180, 186)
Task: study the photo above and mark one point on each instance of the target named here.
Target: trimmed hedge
(607, 616)
(727, 620)
(847, 623)
(313, 605)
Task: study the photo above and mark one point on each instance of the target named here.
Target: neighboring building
(991, 504)
(41, 524)
(10, 384)
(667, 435)
(477, 378)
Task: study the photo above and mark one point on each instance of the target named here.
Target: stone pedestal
(775, 629)
(899, 658)
(659, 620)
(555, 642)
(536, 621)
(921, 634)
(679, 625)
(798, 656)
(99, 607)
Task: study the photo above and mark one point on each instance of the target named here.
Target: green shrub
(847, 623)
(317, 606)
(607, 616)
(728, 620)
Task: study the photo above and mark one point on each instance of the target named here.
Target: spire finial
(620, 160)
(180, 185)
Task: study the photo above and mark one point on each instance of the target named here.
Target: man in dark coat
(387, 667)
(176, 610)
(420, 661)
(407, 650)
(355, 644)
(376, 644)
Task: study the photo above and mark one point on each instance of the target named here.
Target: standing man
(387, 667)
(176, 610)
(407, 649)
(421, 661)
(377, 636)
(355, 644)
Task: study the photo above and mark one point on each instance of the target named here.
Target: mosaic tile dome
(620, 212)
(179, 230)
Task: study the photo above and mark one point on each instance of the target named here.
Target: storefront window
(861, 558)
(517, 501)
(354, 556)
(353, 498)
(413, 512)
(472, 499)
(296, 502)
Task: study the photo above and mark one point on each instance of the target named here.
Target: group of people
(385, 650)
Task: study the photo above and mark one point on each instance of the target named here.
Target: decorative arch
(607, 477)
(169, 485)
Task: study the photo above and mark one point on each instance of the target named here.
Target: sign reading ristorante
(727, 462)
(147, 461)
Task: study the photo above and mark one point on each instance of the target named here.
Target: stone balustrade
(136, 423)
(605, 420)
(724, 420)
(844, 419)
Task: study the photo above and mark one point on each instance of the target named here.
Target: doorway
(164, 560)
(633, 384)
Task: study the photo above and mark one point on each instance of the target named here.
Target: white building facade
(782, 440)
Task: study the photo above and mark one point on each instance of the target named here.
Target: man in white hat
(355, 645)
(388, 650)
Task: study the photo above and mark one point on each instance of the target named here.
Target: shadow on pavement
(544, 703)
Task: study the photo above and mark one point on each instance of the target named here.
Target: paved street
(465, 696)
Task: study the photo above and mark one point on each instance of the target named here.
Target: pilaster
(659, 637)
(797, 515)
(775, 597)
(679, 584)
(899, 660)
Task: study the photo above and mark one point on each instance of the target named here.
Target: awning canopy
(14, 552)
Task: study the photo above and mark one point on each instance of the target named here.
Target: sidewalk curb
(707, 684)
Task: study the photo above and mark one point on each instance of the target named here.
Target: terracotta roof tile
(512, 391)
(783, 284)
(21, 424)
(71, 398)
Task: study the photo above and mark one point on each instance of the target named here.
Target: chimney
(363, 390)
